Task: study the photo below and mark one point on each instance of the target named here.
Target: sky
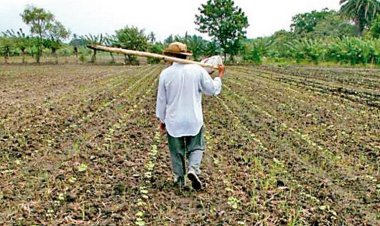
(162, 17)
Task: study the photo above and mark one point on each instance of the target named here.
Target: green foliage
(40, 22)
(93, 40)
(311, 50)
(56, 34)
(347, 50)
(78, 41)
(319, 24)
(362, 12)
(176, 38)
(279, 48)
(155, 48)
(333, 25)
(82, 58)
(6, 46)
(374, 30)
(255, 50)
(196, 45)
(224, 22)
(306, 22)
(19, 40)
(110, 40)
(211, 49)
(353, 51)
(131, 38)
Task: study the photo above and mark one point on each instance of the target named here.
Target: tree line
(350, 35)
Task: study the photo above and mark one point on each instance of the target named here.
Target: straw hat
(177, 48)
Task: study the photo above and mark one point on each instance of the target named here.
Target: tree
(333, 26)
(306, 22)
(224, 22)
(131, 38)
(40, 22)
(56, 34)
(362, 12)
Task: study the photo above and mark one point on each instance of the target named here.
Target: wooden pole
(147, 54)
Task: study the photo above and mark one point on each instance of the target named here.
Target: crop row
(65, 167)
(310, 155)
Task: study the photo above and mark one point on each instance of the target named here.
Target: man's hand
(162, 128)
(221, 70)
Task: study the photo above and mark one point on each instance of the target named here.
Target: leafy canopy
(131, 38)
(305, 22)
(49, 32)
(224, 22)
(39, 20)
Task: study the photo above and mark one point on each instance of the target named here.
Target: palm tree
(362, 12)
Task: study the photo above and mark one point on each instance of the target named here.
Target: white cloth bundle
(214, 60)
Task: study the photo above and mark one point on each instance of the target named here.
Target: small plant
(233, 202)
(82, 167)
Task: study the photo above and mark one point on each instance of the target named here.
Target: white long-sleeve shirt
(179, 98)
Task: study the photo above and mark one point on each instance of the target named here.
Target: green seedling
(82, 167)
(233, 202)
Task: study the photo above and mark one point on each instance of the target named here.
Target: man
(179, 109)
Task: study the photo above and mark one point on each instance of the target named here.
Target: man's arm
(161, 103)
(211, 86)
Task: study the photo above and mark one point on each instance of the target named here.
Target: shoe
(195, 182)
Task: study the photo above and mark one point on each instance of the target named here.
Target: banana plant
(307, 49)
(6, 46)
(20, 39)
(93, 40)
(257, 49)
(352, 50)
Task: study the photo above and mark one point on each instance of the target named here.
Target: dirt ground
(80, 145)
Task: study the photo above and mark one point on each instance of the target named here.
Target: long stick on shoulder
(147, 54)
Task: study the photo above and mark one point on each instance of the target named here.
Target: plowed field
(285, 146)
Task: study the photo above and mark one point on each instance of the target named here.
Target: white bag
(214, 60)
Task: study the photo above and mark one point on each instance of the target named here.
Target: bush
(351, 50)
(256, 50)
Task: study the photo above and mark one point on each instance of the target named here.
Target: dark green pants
(192, 148)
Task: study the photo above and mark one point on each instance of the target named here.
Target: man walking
(179, 109)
